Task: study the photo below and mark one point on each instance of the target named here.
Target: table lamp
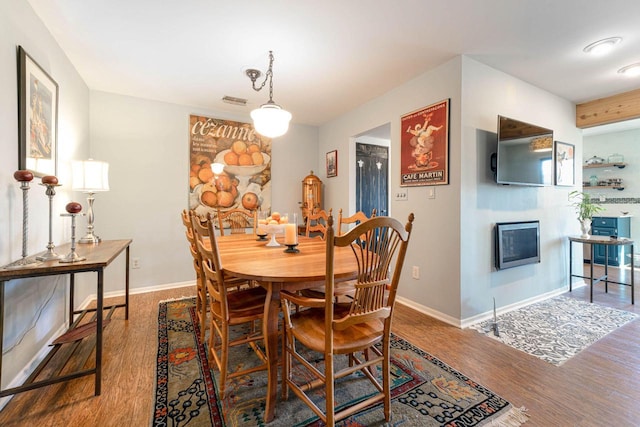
(90, 176)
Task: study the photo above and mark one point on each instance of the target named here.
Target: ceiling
(334, 55)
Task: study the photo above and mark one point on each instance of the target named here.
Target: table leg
(99, 307)
(606, 269)
(72, 287)
(570, 265)
(270, 329)
(1, 327)
(126, 282)
(591, 275)
(633, 273)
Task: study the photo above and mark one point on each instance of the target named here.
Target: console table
(607, 242)
(98, 257)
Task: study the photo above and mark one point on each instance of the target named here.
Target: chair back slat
(237, 221)
(377, 244)
(211, 265)
(355, 219)
(317, 223)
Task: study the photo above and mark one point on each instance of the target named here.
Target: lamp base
(90, 238)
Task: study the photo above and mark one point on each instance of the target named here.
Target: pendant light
(270, 119)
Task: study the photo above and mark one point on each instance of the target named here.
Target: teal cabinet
(611, 226)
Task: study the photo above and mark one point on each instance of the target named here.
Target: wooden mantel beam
(616, 108)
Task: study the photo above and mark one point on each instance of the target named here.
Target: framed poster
(424, 146)
(37, 117)
(565, 161)
(332, 163)
(229, 166)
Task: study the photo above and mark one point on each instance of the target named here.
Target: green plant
(584, 205)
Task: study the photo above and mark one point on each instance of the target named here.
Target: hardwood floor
(598, 387)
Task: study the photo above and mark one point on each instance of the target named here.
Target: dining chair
(227, 309)
(317, 223)
(355, 219)
(201, 289)
(359, 330)
(237, 221)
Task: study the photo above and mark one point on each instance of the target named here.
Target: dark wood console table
(99, 256)
(607, 242)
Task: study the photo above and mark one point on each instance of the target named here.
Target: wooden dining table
(244, 256)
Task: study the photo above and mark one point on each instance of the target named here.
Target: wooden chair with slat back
(201, 289)
(317, 223)
(245, 306)
(354, 219)
(237, 221)
(350, 330)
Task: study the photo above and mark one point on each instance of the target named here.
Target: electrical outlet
(135, 262)
(415, 272)
(402, 195)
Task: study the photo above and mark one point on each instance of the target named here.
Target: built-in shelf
(611, 187)
(605, 165)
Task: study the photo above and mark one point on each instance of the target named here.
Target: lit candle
(290, 235)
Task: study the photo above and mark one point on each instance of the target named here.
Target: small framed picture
(332, 163)
(37, 117)
(564, 155)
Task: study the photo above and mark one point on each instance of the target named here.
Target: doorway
(372, 178)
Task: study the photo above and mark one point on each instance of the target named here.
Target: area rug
(556, 329)
(425, 391)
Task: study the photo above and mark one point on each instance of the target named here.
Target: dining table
(245, 256)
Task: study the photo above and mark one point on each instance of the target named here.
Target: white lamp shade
(270, 120)
(90, 175)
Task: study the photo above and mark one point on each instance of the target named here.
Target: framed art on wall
(424, 146)
(564, 155)
(332, 163)
(37, 117)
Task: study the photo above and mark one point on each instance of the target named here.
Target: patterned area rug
(425, 391)
(556, 329)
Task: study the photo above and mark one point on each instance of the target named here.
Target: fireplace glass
(517, 243)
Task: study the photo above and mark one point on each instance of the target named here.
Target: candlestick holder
(51, 182)
(291, 249)
(261, 237)
(24, 177)
(73, 210)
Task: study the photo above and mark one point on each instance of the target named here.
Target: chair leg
(386, 378)
(224, 359)
(330, 383)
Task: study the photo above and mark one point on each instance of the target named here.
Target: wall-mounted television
(517, 243)
(525, 153)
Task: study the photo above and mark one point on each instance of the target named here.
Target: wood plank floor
(598, 387)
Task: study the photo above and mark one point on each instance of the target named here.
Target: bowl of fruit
(243, 159)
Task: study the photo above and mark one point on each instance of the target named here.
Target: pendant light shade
(270, 120)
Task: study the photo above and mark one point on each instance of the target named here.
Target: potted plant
(585, 208)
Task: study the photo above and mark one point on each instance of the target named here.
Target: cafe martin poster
(424, 152)
(245, 182)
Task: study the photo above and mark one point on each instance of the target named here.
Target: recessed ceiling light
(603, 46)
(632, 70)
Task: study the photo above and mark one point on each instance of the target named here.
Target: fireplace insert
(517, 243)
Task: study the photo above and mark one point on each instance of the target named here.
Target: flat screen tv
(525, 153)
(517, 243)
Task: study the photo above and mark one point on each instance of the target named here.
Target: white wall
(147, 146)
(34, 309)
(435, 244)
(488, 93)
(615, 201)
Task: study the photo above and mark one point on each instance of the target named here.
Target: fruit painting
(229, 166)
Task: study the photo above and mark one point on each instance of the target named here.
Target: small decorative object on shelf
(615, 158)
(24, 177)
(593, 181)
(73, 210)
(51, 182)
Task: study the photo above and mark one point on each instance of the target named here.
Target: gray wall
(34, 309)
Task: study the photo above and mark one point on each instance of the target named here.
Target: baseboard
(429, 311)
(465, 323)
(21, 377)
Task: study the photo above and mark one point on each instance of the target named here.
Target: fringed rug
(556, 329)
(425, 391)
